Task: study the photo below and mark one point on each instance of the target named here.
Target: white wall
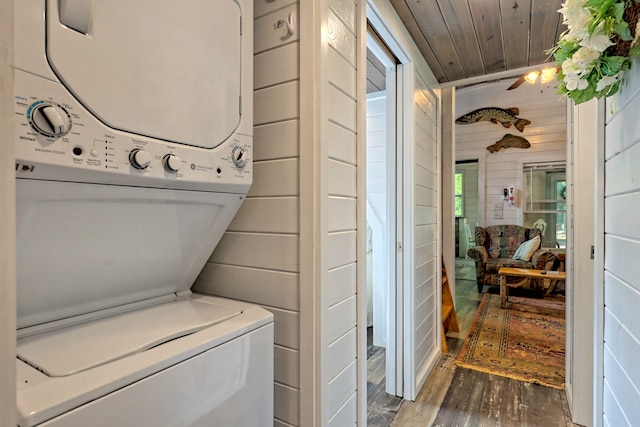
(379, 205)
(7, 223)
(621, 347)
(546, 134)
(425, 203)
(341, 200)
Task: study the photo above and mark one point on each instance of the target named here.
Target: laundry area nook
(133, 152)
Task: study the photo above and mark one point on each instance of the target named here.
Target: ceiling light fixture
(548, 74)
(532, 77)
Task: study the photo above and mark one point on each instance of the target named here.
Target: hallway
(455, 396)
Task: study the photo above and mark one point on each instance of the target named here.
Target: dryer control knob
(140, 159)
(49, 119)
(238, 157)
(172, 163)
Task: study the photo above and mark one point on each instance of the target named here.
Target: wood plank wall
(378, 199)
(339, 296)
(622, 249)
(258, 258)
(425, 231)
(546, 134)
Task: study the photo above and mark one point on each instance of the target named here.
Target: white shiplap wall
(622, 248)
(339, 297)
(258, 258)
(546, 134)
(379, 160)
(425, 204)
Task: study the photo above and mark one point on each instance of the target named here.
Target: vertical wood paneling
(621, 247)
(489, 30)
(515, 25)
(457, 15)
(436, 30)
(541, 12)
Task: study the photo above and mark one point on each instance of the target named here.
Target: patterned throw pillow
(527, 249)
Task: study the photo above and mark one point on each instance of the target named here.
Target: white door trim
(395, 372)
(598, 303)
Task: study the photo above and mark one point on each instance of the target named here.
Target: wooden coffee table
(505, 272)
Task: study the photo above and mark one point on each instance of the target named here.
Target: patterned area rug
(525, 342)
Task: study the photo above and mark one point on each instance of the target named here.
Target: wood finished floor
(458, 397)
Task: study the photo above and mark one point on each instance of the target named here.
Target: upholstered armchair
(495, 248)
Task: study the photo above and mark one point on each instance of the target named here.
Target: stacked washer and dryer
(133, 154)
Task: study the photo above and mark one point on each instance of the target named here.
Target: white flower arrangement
(596, 50)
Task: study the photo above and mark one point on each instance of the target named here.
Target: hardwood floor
(454, 396)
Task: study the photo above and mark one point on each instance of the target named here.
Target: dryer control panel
(54, 130)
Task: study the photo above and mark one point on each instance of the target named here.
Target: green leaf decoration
(611, 65)
(608, 17)
(636, 49)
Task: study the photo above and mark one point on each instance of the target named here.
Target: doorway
(466, 205)
(384, 225)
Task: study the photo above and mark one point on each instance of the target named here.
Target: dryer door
(173, 74)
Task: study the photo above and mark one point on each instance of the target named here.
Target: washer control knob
(238, 157)
(172, 163)
(49, 119)
(140, 159)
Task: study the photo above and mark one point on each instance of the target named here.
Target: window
(545, 202)
(459, 202)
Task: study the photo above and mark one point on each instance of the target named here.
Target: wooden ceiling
(468, 38)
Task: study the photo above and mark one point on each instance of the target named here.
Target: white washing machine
(134, 142)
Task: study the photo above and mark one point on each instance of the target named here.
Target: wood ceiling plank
(431, 22)
(516, 18)
(376, 71)
(457, 17)
(418, 37)
(544, 27)
(489, 31)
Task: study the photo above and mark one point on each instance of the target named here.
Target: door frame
(397, 345)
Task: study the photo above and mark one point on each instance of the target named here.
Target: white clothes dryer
(133, 154)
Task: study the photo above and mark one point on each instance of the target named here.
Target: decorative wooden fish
(495, 115)
(509, 141)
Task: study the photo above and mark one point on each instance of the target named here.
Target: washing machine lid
(173, 74)
(77, 348)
